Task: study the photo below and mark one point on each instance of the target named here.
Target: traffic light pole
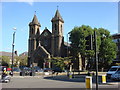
(96, 59)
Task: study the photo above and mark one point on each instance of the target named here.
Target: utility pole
(96, 59)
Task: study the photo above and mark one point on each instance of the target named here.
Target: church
(47, 44)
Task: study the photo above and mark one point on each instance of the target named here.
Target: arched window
(32, 31)
(38, 31)
(37, 43)
(61, 28)
(45, 42)
(55, 26)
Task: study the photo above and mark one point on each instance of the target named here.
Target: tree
(17, 60)
(60, 62)
(23, 60)
(20, 61)
(5, 61)
(81, 43)
(107, 51)
(78, 38)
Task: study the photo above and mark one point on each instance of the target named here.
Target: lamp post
(13, 45)
(68, 44)
(70, 66)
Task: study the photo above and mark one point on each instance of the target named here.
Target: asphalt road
(52, 82)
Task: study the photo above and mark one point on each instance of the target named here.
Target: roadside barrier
(88, 82)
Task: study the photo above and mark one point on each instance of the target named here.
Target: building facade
(116, 39)
(47, 44)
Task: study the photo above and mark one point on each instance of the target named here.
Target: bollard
(103, 78)
(88, 82)
(70, 75)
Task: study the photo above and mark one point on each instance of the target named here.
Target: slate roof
(9, 54)
(57, 17)
(35, 21)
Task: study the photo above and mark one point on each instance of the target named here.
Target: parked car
(37, 69)
(26, 71)
(9, 69)
(57, 70)
(116, 76)
(112, 70)
(47, 70)
(16, 69)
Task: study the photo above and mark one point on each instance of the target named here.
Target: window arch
(55, 26)
(38, 32)
(61, 28)
(32, 31)
(37, 43)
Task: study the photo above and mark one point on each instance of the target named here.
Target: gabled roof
(9, 54)
(41, 51)
(35, 21)
(57, 17)
(46, 30)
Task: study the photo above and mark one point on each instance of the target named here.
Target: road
(52, 82)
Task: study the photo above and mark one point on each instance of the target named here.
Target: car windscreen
(118, 72)
(113, 69)
(118, 69)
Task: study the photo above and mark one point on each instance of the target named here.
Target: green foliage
(78, 38)
(107, 51)
(105, 46)
(23, 60)
(60, 62)
(18, 60)
(5, 61)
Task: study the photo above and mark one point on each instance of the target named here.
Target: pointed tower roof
(57, 17)
(35, 21)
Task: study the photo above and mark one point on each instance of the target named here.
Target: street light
(68, 44)
(13, 45)
(68, 54)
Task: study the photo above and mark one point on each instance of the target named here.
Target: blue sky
(19, 15)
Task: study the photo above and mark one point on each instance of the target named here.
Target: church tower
(34, 32)
(57, 34)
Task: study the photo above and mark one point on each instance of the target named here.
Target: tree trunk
(83, 63)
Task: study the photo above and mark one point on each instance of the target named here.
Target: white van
(113, 70)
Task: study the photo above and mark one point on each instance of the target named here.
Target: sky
(20, 14)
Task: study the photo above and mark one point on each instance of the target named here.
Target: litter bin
(22, 73)
(88, 82)
(103, 79)
(70, 75)
(32, 73)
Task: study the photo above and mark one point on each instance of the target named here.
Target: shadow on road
(78, 78)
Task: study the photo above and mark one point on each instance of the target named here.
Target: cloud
(30, 2)
(6, 49)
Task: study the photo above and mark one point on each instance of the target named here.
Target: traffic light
(89, 42)
(16, 52)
